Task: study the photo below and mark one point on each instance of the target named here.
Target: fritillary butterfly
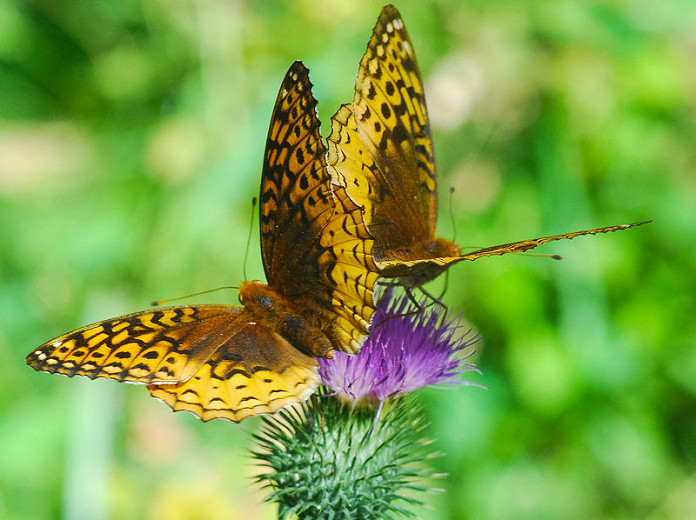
(381, 151)
(234, 362)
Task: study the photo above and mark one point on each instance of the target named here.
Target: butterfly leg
(444, 289)
(388, 283)
(437, 301)
(411, 297)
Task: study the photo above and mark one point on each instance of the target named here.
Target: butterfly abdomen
(277, 313)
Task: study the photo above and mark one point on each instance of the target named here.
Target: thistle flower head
(407, 349)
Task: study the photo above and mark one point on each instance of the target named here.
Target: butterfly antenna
(552, 257)
(451, 214)
(160, 302)
(251, 227)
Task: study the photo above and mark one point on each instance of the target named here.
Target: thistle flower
(406, 350)
(331, 458)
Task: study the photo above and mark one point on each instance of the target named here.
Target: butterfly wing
(387, 130)
(254, 371)
(163, 345)
(217, 352)
(409, 267)
(315, 247)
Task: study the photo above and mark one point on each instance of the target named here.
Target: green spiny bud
(326, 461)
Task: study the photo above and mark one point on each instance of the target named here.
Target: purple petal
(404, 353)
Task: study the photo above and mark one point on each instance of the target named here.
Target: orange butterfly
(381, 151)
(234, 362)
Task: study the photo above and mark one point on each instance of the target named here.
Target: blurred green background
(131, 142)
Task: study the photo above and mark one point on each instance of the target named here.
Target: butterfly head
(248, 289)
(441, 248)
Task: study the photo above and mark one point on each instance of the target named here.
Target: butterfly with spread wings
(381, 152)
(234, 362)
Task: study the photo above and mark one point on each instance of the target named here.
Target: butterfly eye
(432, 247)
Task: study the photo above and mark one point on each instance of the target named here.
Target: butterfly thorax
(277, 313)
(418, 264)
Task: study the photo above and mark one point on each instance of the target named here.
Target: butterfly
(233, 362)
(381, 152)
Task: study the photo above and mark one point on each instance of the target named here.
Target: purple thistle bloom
(404, 353)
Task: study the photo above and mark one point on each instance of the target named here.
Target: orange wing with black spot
(315, 246)
(213, 360)
(386, 133)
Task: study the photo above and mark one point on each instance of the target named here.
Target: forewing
(254, 372)
(399, 267)
(155, 346)
(294, 198)
(392, 122)
(351, 166)
(212, 360)
(315, 247)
